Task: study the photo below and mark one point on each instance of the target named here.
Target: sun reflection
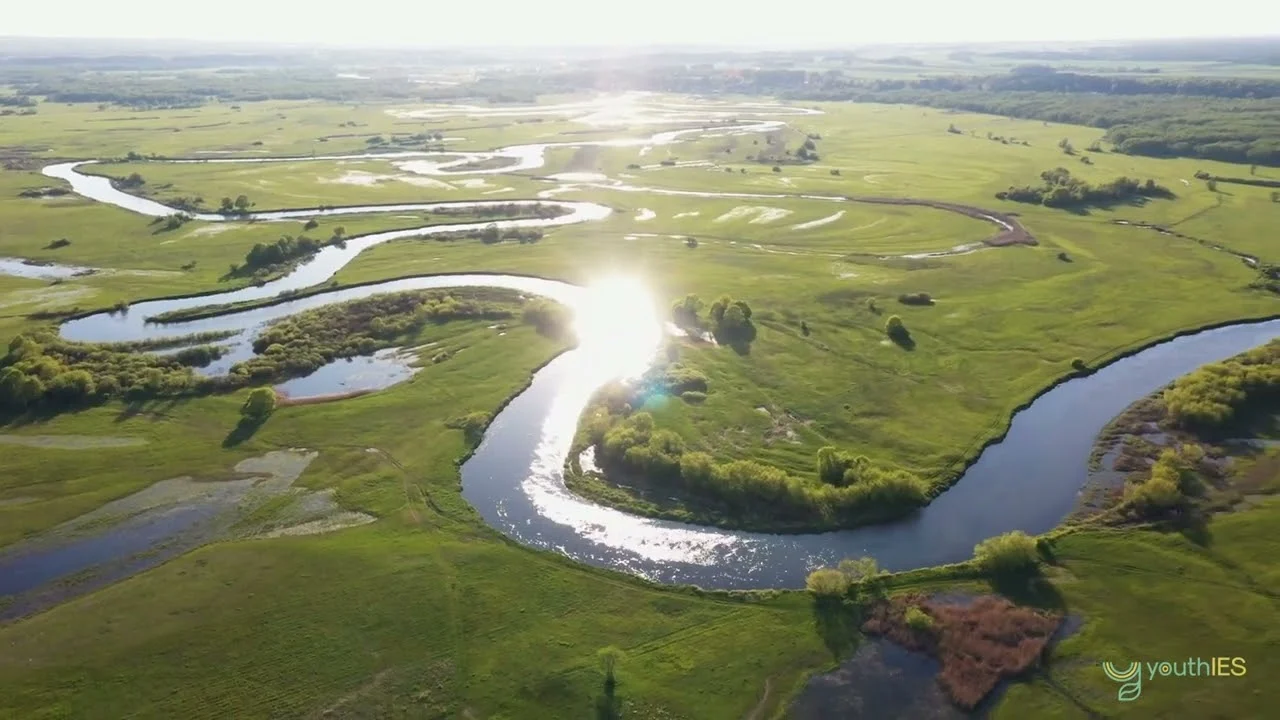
(618, 329)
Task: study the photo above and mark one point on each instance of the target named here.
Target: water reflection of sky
(374, 372)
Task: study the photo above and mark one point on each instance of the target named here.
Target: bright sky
(606, 22)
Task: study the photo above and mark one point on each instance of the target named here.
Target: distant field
(312, 183)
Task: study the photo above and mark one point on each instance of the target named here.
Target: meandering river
(1029, 481)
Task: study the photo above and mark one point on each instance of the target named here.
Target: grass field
(1007, 322)
(1152, 597)
(423, 613)
(429, 613)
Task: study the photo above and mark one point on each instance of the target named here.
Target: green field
(429, 613)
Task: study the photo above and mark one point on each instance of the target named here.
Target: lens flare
(618, 330)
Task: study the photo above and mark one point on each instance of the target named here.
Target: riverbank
(1230, 468)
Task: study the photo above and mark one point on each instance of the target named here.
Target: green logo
(1130, 679)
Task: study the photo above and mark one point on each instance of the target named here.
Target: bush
(918, 619)
(1078, 365)
(897, 331)
(549, 318)
(472, 426)
(827, 583)
(917, 298)
(260, 403)
(693, 396)
(1155, 495)
(1008, 554)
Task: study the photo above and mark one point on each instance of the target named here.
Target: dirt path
(757, 712)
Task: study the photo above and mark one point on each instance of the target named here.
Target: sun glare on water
(618, 329)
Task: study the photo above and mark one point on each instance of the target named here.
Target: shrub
(1007, 554)
(260, 403)
(693, 396)
(777, 169)
(472, 426)
(826, 583)
(917, 298)
(918, 619)
(859, 569)
(1078, 365)
(894, 328)
(549, 318)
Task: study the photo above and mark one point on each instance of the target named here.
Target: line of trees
(850, 490)
(522, 210)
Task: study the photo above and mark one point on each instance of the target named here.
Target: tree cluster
(728, 320)
(1170, 484)
(44, 372)
(239, 206)
(1061, 190)
(1211, 398)
(298, 345)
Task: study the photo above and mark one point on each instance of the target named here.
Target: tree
(312, 224)
(691, 242)
(895, 329)
(1212, 185)
(609, 658)
(1066, 146)
(684, 312)
(860, 569)
(22, 347)
(953, 129)
(227, 205)
(918, 619)
(826, 583)
(1275, 196)
(260, 403)
(1008, 554)
(242, 203)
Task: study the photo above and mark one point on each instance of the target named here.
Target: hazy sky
(602, 22)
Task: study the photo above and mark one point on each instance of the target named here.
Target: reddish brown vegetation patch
(978, 643)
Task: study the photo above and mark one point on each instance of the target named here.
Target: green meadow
(429, 613)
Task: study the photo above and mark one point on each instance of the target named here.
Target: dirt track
(1011, 233)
